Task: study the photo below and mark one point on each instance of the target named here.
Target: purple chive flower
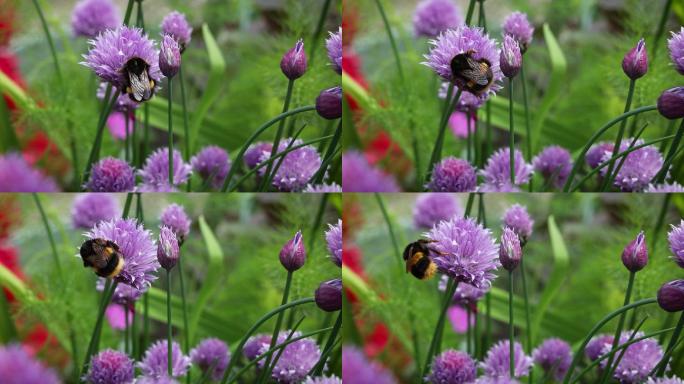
(155, 172)
(168, 250)
(211, 354)
(452, 367)
(497, 361)
(554, 163)
(89, 209)
(175, 25)
(638, 169)
(112, 49)
(212, 163)
(329, 103)
(169, 56)
(359, 176)
(671, 296)
(462, 40)
(665, 380)
(293, 63)
(16, 175)
(123, 103)
(433, 17)
(155, 362)
(298, 167)
(675, 187)
(296, 359)
(510, 252)
(635, 62)
(293, 255)
(323, 188)
(510, 57)
(597, 152)
(174, 217)
(597, 345)
(638, 361)
(333, 240)
(155, 380)
(496, 380)
(676, 46)
(671, 103)
(255, 344)
(517, 25)
(554, 357)
(453, 175)
(110, 367)
(517, 218)
(17, 367)
(137, 247)
(334, 46)
(328, 295)
(497, 171)
(431, 208)
(635, 255)
(323, 380)
(465, 251)
(256, 152)
(111, 175)
(357, 368)
(91, 17)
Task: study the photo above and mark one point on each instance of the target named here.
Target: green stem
(127, 139)
(449, 106)
(169, 324)
(621, 323)
(170, 134)
(279, 134)
(48, 36)
(511, 139)
(469, 332)
(670, 346)
(528, 134)
(511, 331)
(451, 289)
(488, 323)
(95, 337)
(318, 370)
(186, 132)
(671, 154)
(390, 229)
(186, 339)
(393, 43)
(660, 221)
(471, 10)
(528, 329)
(580, 158)
(469, 139)
(126, 345)
(318, 31)
(95, 151)
(618, 139)
(661, 27)
(129, 11)
(668, 131)
(317, 221)
(146, 323)
(140, 18)
(329, 153)
(279, 319)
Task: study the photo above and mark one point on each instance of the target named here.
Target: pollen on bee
(118, 269)
(430, 271)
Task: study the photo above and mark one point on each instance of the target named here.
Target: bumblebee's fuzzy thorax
(418, 260)
(103, 256)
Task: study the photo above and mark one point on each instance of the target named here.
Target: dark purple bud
(329, 103)
(510, 252)
(329, 295)
(293, 254)
(169, 56)
(168, 250)
(293, 63)
(671, 103)
(635, 63)
(671, 296)
(510, 59)
(635, 255)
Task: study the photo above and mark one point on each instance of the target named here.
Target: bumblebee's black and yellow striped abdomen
(103, 256)
(418, 260)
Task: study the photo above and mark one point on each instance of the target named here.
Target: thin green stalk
(476, 333)
(670, 346)
(471, 10)
(449, 106)
(511, 139)
(488, 322)
(290, 144)
(186, 339)
(668, 131)
(169, 325)
(476, 141)
(186, 132)
(129, 11)
(317, 32)
(390, 229)
(140, 18)
(134, 332)
(631, 337)
(146, 134)
(468, 138)
(528, 135)
(48, 36)
(393, 43)
(469, 332)
(289, 336)
(432, 351)
(661, 27)
(97, 330)
(127, 140)
(146, 324)
(95, 151)
(279, 134)
(318, 369)
(322, 205)
(134, 139)
(126, 345)
(580, 158)
(528, 329)
(621, 322)
(170, 83)
(279, 319)
(511, 330)
(329, 153)
(611, 177)
(621, 132)
(670, 154)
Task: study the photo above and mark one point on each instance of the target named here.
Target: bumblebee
(103, 256)
(139, 86)
(474, 76)
(418, 261)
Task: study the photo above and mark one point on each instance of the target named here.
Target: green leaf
(212, 278)
(8, 138)
(217, 66)
(553, 91)
(553, 285)
(8, 332)
(14, 91)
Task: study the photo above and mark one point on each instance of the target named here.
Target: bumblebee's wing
(141, 87)
(477, 76)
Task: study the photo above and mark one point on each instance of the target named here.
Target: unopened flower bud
(671, 296)
(510, 252)
(635, 63)
(168, 250)
(293, 63)
(329, 103)
(169, 56)
(511, 58)
(293, 254)
(671, 103)
(329, 295)
(635, 255)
